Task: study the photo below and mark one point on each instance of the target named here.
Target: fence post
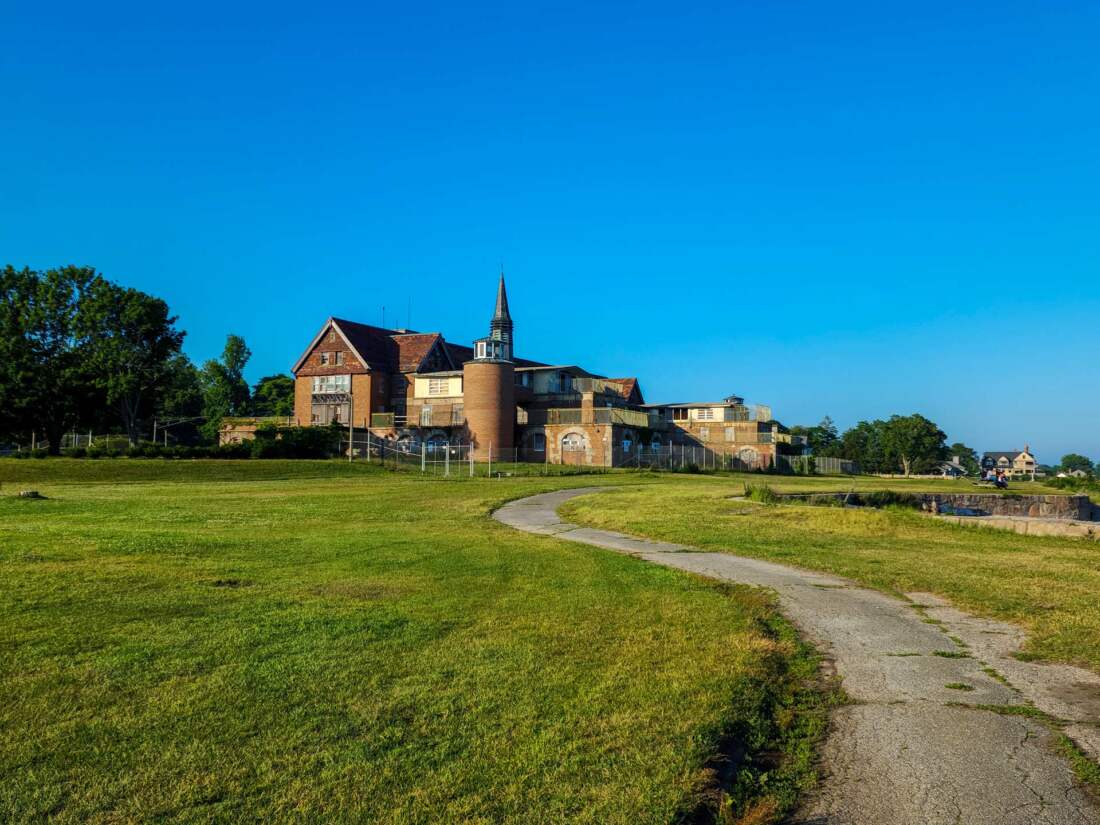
(423, 456)
(447, 460)
(470, 459)
(351, 426)
(490, 459)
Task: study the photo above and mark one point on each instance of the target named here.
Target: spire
(501, 312)
(500, 327)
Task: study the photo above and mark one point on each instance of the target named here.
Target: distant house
(1014, 463)
(1073, 474)
(952, 468)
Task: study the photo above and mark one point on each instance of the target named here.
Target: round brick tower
(488, 390)
(489, 387)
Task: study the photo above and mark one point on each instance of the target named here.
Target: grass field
(313, 641)
(1047, 585)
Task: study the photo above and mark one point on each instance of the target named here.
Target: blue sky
(846, 209)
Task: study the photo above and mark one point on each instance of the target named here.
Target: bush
(295, 442)
(75, 452)
(762, 494)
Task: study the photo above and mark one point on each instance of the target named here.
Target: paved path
(899, 754)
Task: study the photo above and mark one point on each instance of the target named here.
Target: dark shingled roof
(374, 344)
(413, 348)
(391, 350)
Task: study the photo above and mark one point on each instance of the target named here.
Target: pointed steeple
(500, 327)
(501, 312)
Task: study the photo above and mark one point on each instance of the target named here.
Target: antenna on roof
(409, 314)
(383, 316)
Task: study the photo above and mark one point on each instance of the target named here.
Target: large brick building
(412, 388)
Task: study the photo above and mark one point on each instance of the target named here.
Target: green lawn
(313, 641)
(1047, 585)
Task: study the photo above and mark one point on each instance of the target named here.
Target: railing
(596, 415)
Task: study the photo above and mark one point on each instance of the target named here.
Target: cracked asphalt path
(905, 752)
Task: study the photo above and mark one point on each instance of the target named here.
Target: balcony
(438, 415)
(597, 415)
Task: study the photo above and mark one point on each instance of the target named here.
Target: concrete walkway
(901, 753)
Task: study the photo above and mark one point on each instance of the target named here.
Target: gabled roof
(414, 348)
(630, 388)
(371, 345)
(999, 454)
(392, 350)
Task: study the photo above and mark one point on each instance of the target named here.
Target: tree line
(902, 443)
(80, 352)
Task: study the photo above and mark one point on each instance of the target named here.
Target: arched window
(573, 442)
(655, 442)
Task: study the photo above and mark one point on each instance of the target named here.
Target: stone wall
(1077, 508)
(1069, 508)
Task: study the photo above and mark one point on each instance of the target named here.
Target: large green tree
(132, 340)
(913, 443)
(225, 392)
(273, 395)
(862, 443)
(47, 380)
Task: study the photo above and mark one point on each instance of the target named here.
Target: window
(332, 335)
(679, 414)
(438, 386)
(704, 433)
(331, 383)
(705, 414)
(572, 442)
(339, 358)
(731, 434)
(480, 349)
(425, 416)
(325, 359)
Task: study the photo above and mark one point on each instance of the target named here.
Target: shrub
(75, 452)
(295, 442)
(762, 493)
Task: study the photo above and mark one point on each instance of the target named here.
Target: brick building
(412, 388)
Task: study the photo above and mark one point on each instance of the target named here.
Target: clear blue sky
(847, 209)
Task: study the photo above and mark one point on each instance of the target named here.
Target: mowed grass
(1049, 586)
(299, 642)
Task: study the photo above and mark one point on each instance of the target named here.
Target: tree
(1075, 461)
(46, 377)
(181, 395)
(273, 395)
(913, 442)
(863, 443)
(968, 457)
(225, 392)
(132, 339)
(819, 438)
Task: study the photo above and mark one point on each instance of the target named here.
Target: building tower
(488, 389)
(500, 328)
